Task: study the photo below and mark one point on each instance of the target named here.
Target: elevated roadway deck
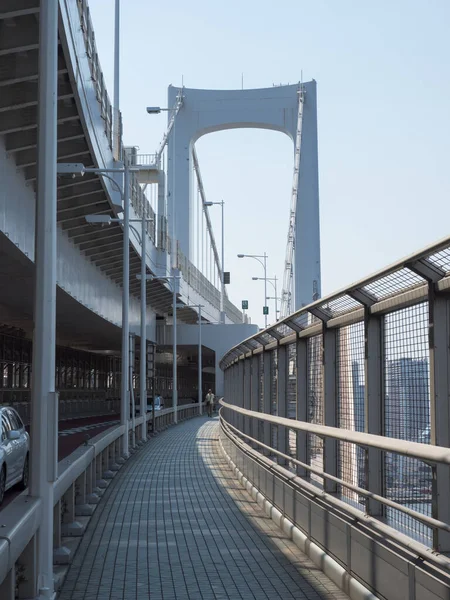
(175, 523)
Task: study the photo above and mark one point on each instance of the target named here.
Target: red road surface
(72, 433)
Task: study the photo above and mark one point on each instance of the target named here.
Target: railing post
(330, 455)
(373, 405)
(254, 404)
(283, 433)
(439, 332)
(302, 403)
(267, 400)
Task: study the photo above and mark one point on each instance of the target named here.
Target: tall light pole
(264, 265)
(273, 282)
(143, 363)
(222, 276)
(80, 169)
(44, 406)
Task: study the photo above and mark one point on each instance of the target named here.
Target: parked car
(14, 451)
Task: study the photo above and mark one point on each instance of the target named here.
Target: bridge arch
(275, 108)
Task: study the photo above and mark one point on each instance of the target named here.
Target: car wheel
(2, 483)
(25, 474)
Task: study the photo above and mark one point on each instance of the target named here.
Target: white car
(14, 451)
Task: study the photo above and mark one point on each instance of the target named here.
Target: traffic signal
(265, 310)
(244, 304)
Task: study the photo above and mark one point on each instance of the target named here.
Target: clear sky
(384, 121)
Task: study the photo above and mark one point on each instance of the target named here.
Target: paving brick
(175, 524)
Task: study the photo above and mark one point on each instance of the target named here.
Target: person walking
(210, 402)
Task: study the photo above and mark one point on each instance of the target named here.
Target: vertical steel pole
(117, 60)
(174, 366)
(143, 363)
(44, 416)
(265, 286)
(222, 294)
(200, 366)
(276, 300)
(174, 288)
(125, 402)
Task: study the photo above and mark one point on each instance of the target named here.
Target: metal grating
(292, 400)
(315, 401)
(341, 305)
(407, 415)
(350, 407)
(273, 395)
(394, 283)
(441, 259)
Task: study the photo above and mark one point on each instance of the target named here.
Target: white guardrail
(82, 478)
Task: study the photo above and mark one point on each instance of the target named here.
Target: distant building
(407, 417)
(407, 403)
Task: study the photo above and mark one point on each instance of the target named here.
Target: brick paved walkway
(175, 524)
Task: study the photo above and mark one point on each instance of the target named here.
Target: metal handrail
(424, 452)
(429, 521)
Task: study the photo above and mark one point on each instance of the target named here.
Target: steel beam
(25, 68)
(99, 208)
(330, 448)
(255, 394)
(282, 402)
(302, 451)
(111, 251)
(26, 119)
(100, 242)
(12, 9)
(439, 335)
(267, 399)
(373, 405)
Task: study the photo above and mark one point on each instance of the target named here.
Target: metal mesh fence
(315, 401)
(350, 406)
(292, 400)
(407, 415)
(273, 395)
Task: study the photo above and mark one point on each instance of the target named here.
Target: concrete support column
(254, 402)
(282, 374)
(267, 400)
(439, 335)
(373, 405)
(330, 454)
(302, 403)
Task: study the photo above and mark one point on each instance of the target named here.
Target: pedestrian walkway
(175, 524)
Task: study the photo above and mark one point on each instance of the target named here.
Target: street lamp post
(44, 405)
(80, 169)
(222, 276)
(264, 265)
(273, 282)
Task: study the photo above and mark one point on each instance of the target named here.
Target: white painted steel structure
(276, 108)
